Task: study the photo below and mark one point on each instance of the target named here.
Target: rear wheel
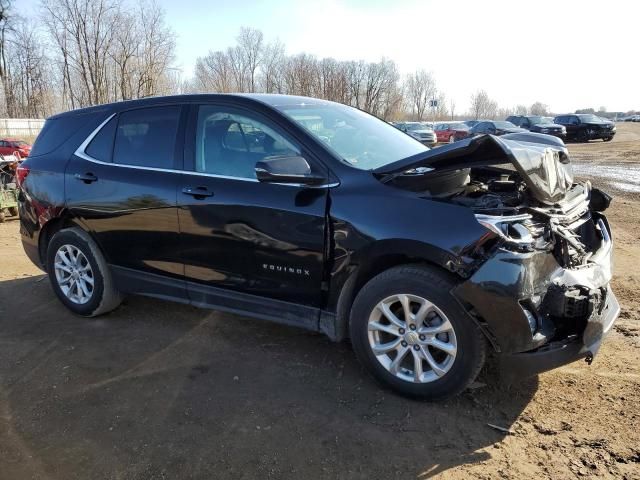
(3, 216)
(452, 138)
(79, 274)
(13, 211)
(412, 336)
(607, 139)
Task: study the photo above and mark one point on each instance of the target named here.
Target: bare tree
(250, 49)
(539, 108)
(482, 106)
(28, 84)
(155, 53)
(213, 73)
(273, 64)
(84, 32)
(6, 18)
(521, 110)
(420, 89)
(106, 52)
(301, 75)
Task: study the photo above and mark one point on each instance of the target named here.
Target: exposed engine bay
(501, 201)
(521, 189)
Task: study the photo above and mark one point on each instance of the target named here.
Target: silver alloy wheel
(74, 274)
(403, 324)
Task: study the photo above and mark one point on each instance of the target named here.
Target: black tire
(608, 139)
(433, 285)
(13, 211)
(3, 216)
(104, 296)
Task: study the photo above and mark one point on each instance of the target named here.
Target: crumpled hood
(542, 161)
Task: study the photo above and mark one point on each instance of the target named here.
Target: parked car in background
(583, 127)
(494, 127)
(9, 146)
(471, 123)
(632, 118)
(331, 220)
(421, 131)
(449, 132)
(538, 124)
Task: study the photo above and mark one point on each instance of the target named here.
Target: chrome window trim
(80, 152)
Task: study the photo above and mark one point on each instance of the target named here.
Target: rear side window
(147, 137)
(57, 130)
(101, 146)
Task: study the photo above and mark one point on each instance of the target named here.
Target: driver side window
(230, 144)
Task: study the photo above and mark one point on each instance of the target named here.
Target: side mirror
(287, 169)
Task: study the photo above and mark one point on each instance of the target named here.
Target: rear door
(260, 239)
(121, 184)
(573, 125)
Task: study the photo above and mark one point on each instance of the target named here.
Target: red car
(8, 146)
(449, 132)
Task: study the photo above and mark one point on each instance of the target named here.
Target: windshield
(540, 120)
(589, 118)
(360, 139)
(504, 125)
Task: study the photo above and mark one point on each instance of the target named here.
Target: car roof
(270, 99)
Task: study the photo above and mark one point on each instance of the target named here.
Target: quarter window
(230, 144)
(101, 146)
(147, 137)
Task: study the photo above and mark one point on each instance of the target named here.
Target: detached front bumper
(538, 314)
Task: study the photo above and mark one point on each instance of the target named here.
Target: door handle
(86, 177)
(198, 193)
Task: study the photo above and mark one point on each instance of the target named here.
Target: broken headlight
(510, 228)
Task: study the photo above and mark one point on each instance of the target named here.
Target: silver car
(421, 131)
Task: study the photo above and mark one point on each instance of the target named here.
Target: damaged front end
(544, 292)
(540, 286)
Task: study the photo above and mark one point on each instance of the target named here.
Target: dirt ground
(160, 390)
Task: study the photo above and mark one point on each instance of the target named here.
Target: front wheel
(607, 139)
(79, 274)
(452, 139)
(13, 211)
(583, 136)
(412, 336)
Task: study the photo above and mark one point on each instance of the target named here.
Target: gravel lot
(160, 390)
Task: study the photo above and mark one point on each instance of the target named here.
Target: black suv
(318, 215)
(585, 127)
(538, 124)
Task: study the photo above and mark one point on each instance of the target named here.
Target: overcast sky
(567, 54)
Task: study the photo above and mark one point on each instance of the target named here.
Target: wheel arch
(53, 226)
(379, 257)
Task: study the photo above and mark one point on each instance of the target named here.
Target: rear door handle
(86, 177)
(198, 192)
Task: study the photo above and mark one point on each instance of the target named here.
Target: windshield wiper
(413, 171)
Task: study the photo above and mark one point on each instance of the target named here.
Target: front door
(262, 241)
